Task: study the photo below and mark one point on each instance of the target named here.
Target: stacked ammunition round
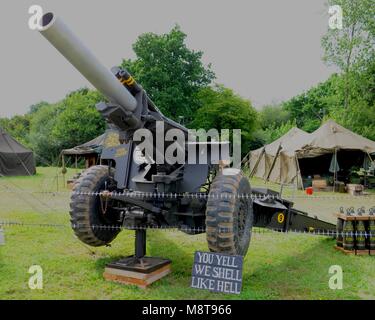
(356, 231)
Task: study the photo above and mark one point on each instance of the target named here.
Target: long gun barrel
(70, 46)
(129, 106)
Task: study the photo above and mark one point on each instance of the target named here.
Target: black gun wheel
(229, 214)
(91, 223)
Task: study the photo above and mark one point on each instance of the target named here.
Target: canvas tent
(15, 159)
(299, 153)
(330, 137)
(92, 149)
(334, 147)
(277, 161)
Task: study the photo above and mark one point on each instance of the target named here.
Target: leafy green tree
(310, 108)
(79, 121)
(35, 107)
(70, 122)
(360, 114)
(45, 147)
(259, 138)
(223, 109)
(273, 115)
(359, 118)
(171, 73)
(352, 47)
(273, 133)
(17, 127)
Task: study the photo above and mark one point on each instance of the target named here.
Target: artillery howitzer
(125, 193)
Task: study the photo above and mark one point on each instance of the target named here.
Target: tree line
(184, 89)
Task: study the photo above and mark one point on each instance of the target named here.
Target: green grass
(277, 266)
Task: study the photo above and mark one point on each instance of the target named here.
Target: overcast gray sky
(266, 50)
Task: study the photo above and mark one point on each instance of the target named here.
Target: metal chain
(197, 195)
(201, 195)
(326, 233)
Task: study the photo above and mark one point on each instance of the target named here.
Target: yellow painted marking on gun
(280, 217)
(130, 81)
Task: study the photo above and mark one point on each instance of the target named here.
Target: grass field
(278, 266)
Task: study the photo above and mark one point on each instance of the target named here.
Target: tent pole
(257, 163)
(371, 161)
(335, 174)
(246, 157)
(299, 173)
(370, 157)
(57, 173)
(63, 168)
(274, 162)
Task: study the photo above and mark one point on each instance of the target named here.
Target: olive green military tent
(333, 149)
(92, 149)
(328, 149)
(330, 137)
(15, 159)
(95, 146)
(277, 161)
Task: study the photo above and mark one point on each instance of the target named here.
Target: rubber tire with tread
(222, 213)
(85, 210)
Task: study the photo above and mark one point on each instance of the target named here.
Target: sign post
(217, 272)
